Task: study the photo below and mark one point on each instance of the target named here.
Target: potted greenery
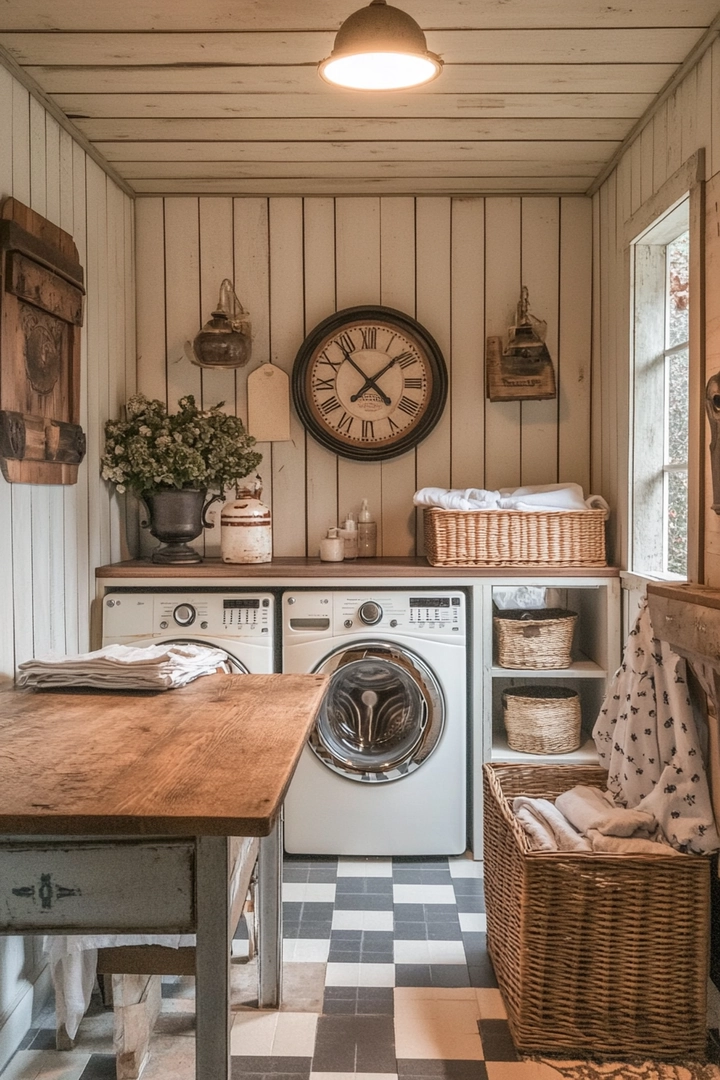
(172, 461)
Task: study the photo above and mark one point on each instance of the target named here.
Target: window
(661, 300)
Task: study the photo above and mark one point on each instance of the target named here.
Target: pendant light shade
(380, 47)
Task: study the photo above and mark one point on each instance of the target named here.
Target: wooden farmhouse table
(117, 812)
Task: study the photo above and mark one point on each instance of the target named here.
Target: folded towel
(124, 667)
(559, 497)
(540, 836)
(589, 808)
(549, 824)
(628, 845)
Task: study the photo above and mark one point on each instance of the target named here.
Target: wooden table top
(212, 758)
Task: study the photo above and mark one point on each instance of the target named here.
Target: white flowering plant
(151, 450)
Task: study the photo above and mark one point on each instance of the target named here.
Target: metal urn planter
(176, 517)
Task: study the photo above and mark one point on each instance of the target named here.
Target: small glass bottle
(349, 534)
(367, 533)
(332, 547)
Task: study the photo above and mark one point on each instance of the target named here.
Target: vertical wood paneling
(286, 330)
(540, 271)
(151, 317)
(574, 356)
(397, 290)
(319, 270)
(71, 492)
(467, 466)
(433, 311)
(98, 352)
(84, 570)
(502, 289)
(704, 104)
(660, 136)
(7, 643)
(715, 109)
(597, 399)
(646, 163)
(357, 261)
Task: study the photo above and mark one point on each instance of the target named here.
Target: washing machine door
(383, 713)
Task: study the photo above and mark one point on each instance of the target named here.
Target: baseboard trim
(20, 1017)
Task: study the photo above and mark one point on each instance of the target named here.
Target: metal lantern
(224, 341)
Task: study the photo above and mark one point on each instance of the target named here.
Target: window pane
(678, 295)
(677, 522)
(677, 408)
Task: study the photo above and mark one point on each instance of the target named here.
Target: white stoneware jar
(246, 528)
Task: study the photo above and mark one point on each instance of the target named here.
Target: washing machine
(238, 622)
(384, 771)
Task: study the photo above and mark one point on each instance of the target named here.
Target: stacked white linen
(588, 819)
(557, 497)
(124, 667)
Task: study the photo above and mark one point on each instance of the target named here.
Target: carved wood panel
(41, 313)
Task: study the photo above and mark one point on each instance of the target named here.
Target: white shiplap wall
(689, 120)
(52, 537)
(456, 264)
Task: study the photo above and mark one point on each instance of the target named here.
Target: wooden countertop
(688, 593)
(211, 758)
(386, 567)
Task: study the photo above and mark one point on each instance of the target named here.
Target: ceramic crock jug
(246, 527)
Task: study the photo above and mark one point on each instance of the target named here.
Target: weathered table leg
(269, 919)
(212, 959)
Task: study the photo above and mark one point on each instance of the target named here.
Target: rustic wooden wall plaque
(41, 312)
(514, 379)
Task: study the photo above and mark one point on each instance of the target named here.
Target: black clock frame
(334, 324)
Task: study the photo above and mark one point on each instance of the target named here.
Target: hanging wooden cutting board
(268, 391)
(41, 312)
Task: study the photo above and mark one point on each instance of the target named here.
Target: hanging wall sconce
(224, 341)
(523, 370)
(380, 47)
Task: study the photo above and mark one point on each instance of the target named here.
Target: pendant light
(380, 47)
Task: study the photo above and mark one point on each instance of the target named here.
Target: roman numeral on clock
(329, 405)
(410, 384)
(405, 359)
(345, 423)
(393, 426)
(327, 384)
(408, 406)
(369, 337)
(368, 429)
(334, 364)
(345, 342)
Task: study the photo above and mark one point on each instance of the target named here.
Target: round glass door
(382, 716)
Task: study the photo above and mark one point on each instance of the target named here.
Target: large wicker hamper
(593, 953)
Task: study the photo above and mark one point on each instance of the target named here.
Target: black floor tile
(364, 902)
(378, 886)
(415, 875)
(354, 1043)
(431, 975)
(429, 861)
(497, 1041)
(363, 1000)
(100, 1067)
(444, 931)
(475, 945)
(470, 902)
(43, 1039)
(442, 1070)
(482, 974)
(271, 1066)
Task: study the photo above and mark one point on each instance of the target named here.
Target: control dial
(370, 613)
(184, 614)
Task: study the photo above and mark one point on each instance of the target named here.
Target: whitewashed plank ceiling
(222, 96)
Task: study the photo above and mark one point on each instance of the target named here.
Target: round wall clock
(369, 383)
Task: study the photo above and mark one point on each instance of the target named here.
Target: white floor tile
(429, 952)
(490, 1003)
(360, 975)
(464, 866)
(306, 950)
(472, 921)
(273, 1034)
(362, 920)
(364, 868)
(423, 894)
(439, 1029)
(51, 1064)
(303, 892)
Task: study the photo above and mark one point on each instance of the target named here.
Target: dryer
(384, 771)
(238, 622)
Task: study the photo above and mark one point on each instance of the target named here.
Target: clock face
(369, 383)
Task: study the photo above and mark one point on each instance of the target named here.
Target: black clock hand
(371, 380)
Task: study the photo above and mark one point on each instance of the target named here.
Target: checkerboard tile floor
(386, 977)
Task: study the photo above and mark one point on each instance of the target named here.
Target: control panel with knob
(370, 613)
(184, 614)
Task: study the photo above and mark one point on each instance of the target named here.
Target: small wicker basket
(542, 719)
(534, 639)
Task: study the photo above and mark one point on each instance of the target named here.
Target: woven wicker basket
(534, 639)
(514, 537)
(542, 719)
(593, 953)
